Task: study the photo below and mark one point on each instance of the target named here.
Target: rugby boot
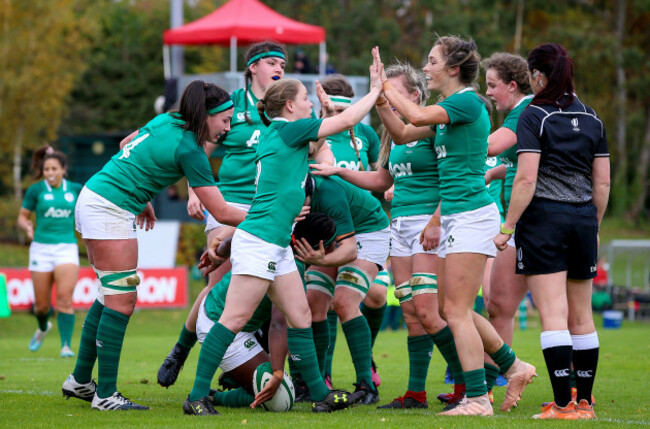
(171, 366)
(336, 400)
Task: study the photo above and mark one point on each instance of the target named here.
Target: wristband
(505, 230)
(381, 100)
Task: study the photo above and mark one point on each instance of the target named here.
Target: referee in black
(559, 196)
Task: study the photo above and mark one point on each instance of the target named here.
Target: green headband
(277, 54)
(339, 100)
(331, 239)
(220, 108)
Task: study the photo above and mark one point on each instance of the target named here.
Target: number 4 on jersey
(126, 151)
(255, 138)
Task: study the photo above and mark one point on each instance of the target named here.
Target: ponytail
(552, 60)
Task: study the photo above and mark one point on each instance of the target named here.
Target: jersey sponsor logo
(400, 169)
(48, 197)
(491, 161)
(442, 126)
(69, 197)
(561, 372)
(272, 267)
(241, 117)
(585, 374)
(57, 213)
(412, 144)
(249, 343)
(295, 358)
(350, 165)
(507, 162)
(574, 122)
(441, 151)
(99, 343)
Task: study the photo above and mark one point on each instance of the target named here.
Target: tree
(42, 47)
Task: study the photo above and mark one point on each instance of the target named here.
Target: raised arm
(400, 132)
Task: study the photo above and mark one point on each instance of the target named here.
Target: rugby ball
(285, 395)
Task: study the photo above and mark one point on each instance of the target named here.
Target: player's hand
(324, 169)
(325, 101)
(194, 207)
(29, 230)
(379, 66)
(307, 254)
(303, 213)
(147, 219)
(430, 237)
(501, 240)
(269, 390)
(389, 194)
(217, 253)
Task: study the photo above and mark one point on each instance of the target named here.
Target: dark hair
(337, 84)
(415, 80)
(309, 186)
(509, 68)
(316, 227)
(462, 54)
(197, 99)
(258, 48)
(38, 158)
(552, 60)
(276, 97)
(59, 156)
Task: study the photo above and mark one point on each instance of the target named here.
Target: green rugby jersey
(509, 156)
(281, 174)
(414, 167)
(54, 209)
(215, 302)
(495, 186)
(365, 210)
(461, 147)
(367, 143)
(159, 156)
(237, 172)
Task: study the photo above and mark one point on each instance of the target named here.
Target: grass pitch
(30, 383)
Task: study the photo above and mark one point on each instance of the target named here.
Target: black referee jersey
(568, 140)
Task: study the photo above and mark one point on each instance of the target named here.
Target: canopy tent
(242, 22)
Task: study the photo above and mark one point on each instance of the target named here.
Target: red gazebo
(242, 22)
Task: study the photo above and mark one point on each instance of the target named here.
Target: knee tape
(423, 283)
(403, 292)
(319, 281)
(382, 279)
(353, 277)
(117, 282)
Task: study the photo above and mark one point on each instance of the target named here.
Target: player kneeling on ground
(260, 377)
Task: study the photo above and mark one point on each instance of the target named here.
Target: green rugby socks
(110, 337)
(321, 332)
(87, 355)
(214, 347)
(357, 334)
(374, 317)
(420, 349)
(66, 327)
(303, 354)
(444, 339)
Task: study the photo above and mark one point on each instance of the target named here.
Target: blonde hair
(416, 81)
(275, 98)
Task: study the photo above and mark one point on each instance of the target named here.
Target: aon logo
(401, 169)
(350, 165)
(52, 212)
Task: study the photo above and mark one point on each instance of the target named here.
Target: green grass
(30, 383)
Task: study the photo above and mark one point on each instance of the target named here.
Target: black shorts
(552, 237)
